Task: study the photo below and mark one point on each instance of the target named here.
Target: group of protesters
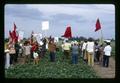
(90, 51)
(30, 50)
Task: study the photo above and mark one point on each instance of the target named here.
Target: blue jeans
(52, 56)
(105, 61)
(74, 58)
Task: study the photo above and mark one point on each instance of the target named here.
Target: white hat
(108, 41)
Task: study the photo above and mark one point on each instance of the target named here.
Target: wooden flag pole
(101, 37)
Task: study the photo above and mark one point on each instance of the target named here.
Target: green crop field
(46, 69)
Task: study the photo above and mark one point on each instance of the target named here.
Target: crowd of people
(90, 51)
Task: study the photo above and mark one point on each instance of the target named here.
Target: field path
(106, 72)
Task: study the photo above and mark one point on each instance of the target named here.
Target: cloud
(80, 10)
(22, 11)
(81, 17)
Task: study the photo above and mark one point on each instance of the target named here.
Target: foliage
(46, 69)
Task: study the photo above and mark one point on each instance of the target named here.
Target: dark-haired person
(27, 48)
(90, 52)
(96, 53)
(66, 48)
(43, 50)
(84, 50)
(75, 52)
(107, 54)
(52, 50)
(17, 47)
(12, 53)
(101, 48)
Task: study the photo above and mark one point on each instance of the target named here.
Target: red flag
(10, 33)
(68, 33)
(98, 26)
(14, 34)
(11, 36)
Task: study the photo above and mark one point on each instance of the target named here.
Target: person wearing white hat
(107, 54)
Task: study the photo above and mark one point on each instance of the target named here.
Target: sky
(81, 17)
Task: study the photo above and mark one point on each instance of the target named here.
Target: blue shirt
(75, 49)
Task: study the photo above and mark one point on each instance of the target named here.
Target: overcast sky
(81, 18)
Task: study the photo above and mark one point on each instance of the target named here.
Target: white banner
(45, 25)
(21, 34)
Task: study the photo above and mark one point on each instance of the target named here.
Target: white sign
(20, 37)
(45, 25)
(56, 39)
(38, 37)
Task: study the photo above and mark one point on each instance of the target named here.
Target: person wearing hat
(107, 54)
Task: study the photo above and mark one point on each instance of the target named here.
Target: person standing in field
(101, 48)
(84, 51)
(80, 49)
(66, 48)
(12, 53)
(43, 50)
(36, 57)
(96, 53)
(27, 49)
(17, 47)
(52, 50)
(75, 52)
(7, 56)
(21, 50)
(107, 54)
(90, 52)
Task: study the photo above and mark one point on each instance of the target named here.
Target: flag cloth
(11, 36)
(98, 26)
(14, 34)
(68, 33)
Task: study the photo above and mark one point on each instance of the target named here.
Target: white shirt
(84, 46)
(108, 50)
(66, 46)
(90, 46)
(35, 55)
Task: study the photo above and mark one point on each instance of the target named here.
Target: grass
(46, 69)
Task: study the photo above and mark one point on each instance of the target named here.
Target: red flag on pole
(14, 33)
(98, 26)
(68, 33)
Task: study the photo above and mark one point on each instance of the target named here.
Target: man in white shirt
(107, 54)
(90, 51)
(84, 50)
